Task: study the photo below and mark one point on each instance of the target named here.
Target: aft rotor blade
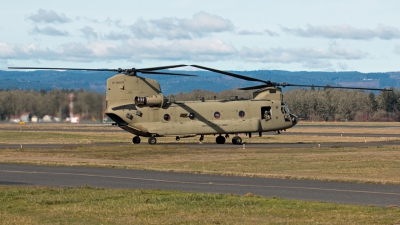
(166, 73)
(229, 74)
(327, 86)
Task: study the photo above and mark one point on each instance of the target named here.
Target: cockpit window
(284, 108)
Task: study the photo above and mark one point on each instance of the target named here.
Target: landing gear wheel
(152, 140)
(136, 140)
(236, 140)
(220, 140)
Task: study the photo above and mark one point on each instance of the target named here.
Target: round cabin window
(217, 115)
(167, 117)
(192, 116)
(241, 113)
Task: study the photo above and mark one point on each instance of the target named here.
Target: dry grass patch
(352, 164)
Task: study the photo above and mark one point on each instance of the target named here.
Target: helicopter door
(154, 120)
(266, 117)
(266, 113)
(171, 122)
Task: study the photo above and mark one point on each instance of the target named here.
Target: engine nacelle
(154, 100)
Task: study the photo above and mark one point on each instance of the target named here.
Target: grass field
(85, 205)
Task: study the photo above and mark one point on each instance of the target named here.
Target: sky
(304, 35)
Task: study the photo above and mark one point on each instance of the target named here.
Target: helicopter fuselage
(202, 118)
(137, 105)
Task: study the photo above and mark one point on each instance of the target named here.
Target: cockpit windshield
(285, 108)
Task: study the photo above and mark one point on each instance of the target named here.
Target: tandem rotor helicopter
(137, 105)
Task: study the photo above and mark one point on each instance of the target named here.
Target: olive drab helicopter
(137, 105)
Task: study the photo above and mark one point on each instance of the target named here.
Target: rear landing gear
(136, 140)
(220, 140)
(201, 138)
(152, 140)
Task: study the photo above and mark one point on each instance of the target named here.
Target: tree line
(317, 105)
(342, 105)
(53, 103)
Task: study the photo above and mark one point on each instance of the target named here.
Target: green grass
(85, 205)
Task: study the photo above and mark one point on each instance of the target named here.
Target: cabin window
(192, 116)
(217, 115)
(167, 117)
(241, 114)
(266, 113)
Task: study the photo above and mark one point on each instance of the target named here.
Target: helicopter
(137, 105)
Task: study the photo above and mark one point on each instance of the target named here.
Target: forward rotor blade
(114, 70)
(166, 73)
(51, 68)
(229, 74)
(327, 86)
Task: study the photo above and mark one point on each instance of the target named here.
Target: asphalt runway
(335, 192)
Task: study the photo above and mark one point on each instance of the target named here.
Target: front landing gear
(152, 140)
(136, 140)
(236, 140)
(220, 139)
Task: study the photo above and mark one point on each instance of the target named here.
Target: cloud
(115, 36)
(206, 23)
(133, 49)
(309, 57)
(200, 25)
(9, 51)
(48, 16)
(210, 50)
(266, 31)
(165, 28)
(50, 31)
(6, 50)
(188, 50)
(247, 32)
(108, 21)
(346, 32)
(271, 33)
(88, 32)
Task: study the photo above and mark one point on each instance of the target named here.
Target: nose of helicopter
(294, 119)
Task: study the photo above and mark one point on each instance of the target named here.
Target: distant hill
(96, 81)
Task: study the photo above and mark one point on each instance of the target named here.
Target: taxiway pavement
(321, 191)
